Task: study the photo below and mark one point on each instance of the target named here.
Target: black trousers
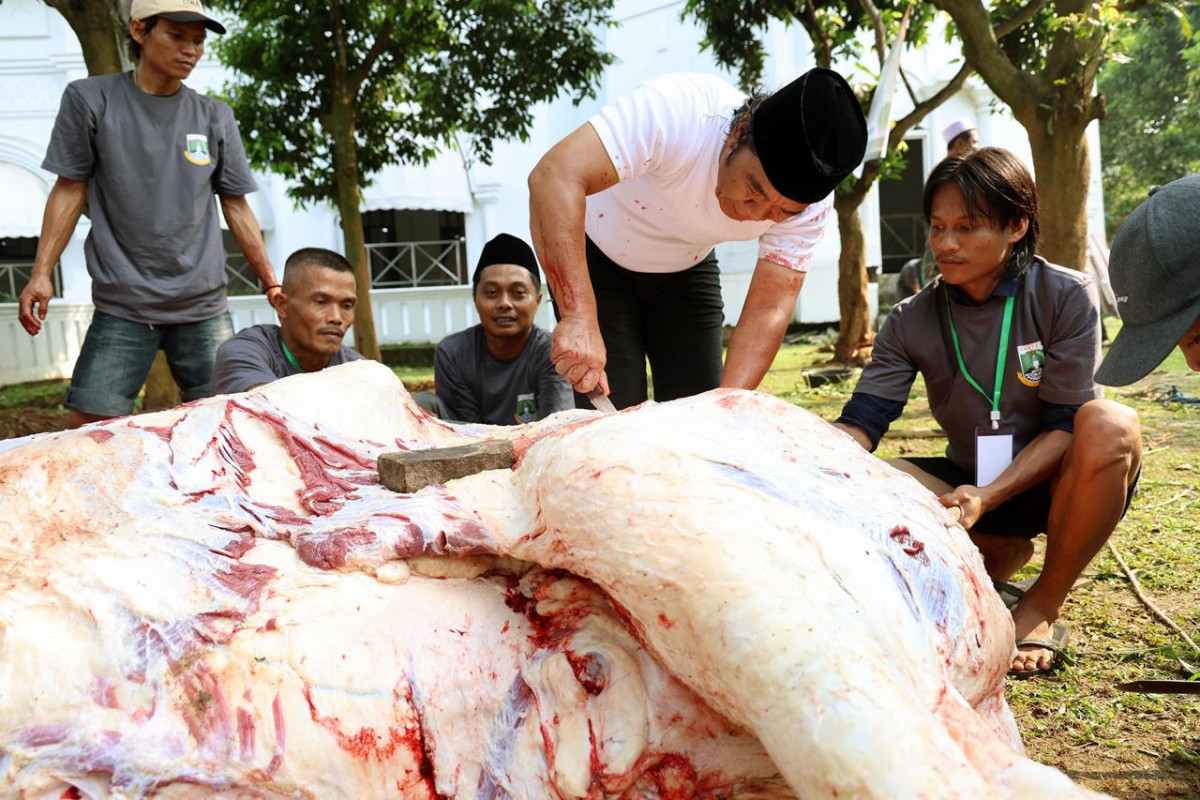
(673, 319)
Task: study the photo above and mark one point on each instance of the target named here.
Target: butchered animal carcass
(716, 597)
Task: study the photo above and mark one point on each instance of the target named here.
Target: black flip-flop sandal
(1011, 593)
(1056, 642)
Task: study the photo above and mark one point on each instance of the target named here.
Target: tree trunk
(855, 334)
(345, 164)
(161, 391)
(102, 28)
(1063, 171)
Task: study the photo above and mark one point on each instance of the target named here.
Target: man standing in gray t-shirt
(146, 155)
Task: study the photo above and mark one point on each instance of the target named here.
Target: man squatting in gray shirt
(315, 308)
(146, 154)
(1007, 345)
(499, 371)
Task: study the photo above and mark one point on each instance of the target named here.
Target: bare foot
(1031, 657)
(1031, 624)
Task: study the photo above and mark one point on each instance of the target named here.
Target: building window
(409, 249)
(243, 281)
(16, 265)
(902, 229)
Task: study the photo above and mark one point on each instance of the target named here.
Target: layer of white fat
(753, 544)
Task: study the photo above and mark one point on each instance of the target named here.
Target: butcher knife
(1161, 687)
(600, 401)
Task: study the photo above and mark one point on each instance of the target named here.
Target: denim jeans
(117, 355)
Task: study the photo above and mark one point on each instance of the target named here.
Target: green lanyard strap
(288, 354)
(1005, 329)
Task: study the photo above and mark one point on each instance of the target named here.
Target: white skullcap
(957, 127)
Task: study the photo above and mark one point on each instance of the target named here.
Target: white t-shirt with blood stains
(665, 142)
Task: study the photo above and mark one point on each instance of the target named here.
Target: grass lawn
(1129, 745)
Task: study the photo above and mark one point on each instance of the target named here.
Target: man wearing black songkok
(499, 371)
(626, 210)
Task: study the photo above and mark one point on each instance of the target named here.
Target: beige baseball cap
(177, 10)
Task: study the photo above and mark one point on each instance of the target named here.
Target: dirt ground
(16, 422)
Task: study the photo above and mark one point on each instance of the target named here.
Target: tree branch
(382, 40)
(922, 109)
(1005, 27)
(983, 52)
(823, 49)
(877, 24)
(901, 128)
(912, 95)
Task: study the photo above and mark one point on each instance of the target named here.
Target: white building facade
(427, 225)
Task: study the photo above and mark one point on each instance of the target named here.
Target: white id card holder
(993, 452)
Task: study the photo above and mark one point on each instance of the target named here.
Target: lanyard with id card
(994, 442)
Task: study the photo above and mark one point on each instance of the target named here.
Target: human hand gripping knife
(600, 401)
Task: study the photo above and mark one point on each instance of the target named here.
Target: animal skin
(719, 597)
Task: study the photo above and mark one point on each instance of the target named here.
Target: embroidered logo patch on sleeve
(197, 149)
(1033, 360)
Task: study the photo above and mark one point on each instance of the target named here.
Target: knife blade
(1161, 687)
(600, 401)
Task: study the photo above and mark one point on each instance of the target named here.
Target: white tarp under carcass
(715, 597)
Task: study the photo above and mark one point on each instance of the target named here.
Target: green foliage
(1149, 136)
(417, 74)
(893, 163)
(733, 29)
(842, 31)
(1026, 47)
(1066, 47)
(39, 394)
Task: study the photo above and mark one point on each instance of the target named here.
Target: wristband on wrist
(272, 286)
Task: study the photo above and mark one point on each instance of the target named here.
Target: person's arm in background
(232, 181)
(558, 188)
(246, 232)
(770, 302)
(453, 387)
(71, 155)
(63, 207)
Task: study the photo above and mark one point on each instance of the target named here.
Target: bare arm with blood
(558, 188)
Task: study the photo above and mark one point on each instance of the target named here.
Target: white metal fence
(401, 316)
(405, 265)
(14, 276)
(50, 354)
